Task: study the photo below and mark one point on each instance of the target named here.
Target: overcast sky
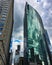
(44, 8)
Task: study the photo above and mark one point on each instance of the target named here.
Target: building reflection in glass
(35, 45)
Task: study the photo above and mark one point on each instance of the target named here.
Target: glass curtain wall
(36, 49)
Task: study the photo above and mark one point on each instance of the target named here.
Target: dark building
(35, 43)
(48, 45)
(6, 23)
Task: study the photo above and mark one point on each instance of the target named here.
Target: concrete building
(6, 24)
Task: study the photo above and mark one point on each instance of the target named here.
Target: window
(1, 29)
(0, 33)
(5, 11)
(1, 24)
(3, 19)
(0, 9)
(4, 16)
(6, 6)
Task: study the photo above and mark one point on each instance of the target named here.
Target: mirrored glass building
(34, 39)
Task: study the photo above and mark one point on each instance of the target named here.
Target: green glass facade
(35, 43)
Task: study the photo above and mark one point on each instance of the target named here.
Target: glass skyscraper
(35, 45)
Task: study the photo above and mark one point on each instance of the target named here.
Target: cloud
(19, 7)
(43, 7)
(18, 15)
(46, 4)
(20, 1)
(51, 41)
(18, 35)
(50, 34)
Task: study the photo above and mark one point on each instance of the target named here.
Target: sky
(43, 7)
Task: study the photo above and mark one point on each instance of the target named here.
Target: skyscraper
(48, 45)
(6, 23)
(35, 44)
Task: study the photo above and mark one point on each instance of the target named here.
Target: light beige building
(6, 24)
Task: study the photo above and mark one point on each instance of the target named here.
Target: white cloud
(50, 13)
(12, 63)
(45, 4)
(51, 41)
(46, 27)
(50, 10)
(19, 9)
(18, 35)
(39, 6)
(20, 1)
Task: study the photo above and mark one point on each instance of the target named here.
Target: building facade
(34, 41)
(48, 45)
(6, 23)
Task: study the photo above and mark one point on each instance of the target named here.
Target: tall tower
(35, 44)
(6, 24)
